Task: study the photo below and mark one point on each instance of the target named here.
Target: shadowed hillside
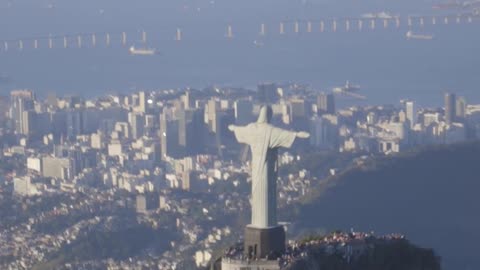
(430, 195)
(397, 254)
(99, 245)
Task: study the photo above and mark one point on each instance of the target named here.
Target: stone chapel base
(263, 242)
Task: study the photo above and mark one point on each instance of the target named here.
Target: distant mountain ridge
(430, 195)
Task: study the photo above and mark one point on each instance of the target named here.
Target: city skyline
(136, 147)
(236, 135)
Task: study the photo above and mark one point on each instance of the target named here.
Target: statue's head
(265, 115)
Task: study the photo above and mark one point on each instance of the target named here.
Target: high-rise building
(318, 131)
(4, 107)
(285, 112)
(190, 131)
(187, 100)
(141, 203)
(87, 159)
(142, 102)
(52, 100)
(411, 113)
(267, 93)
(34, 164)
(298, 107)
(223, 135)
(326, 103)
(122, 130)
(150, 121)
(115, 148)
(21, 101)
(450, 107)
(461, 108)
(28, 118)
(56, 167)
(199, 130)
(151, 125)
(243, 112)
(188, 180)
(217, 120)
(324, 132)
(35, 125)
(298, 114)
(75, 123)
(97, 140)
(225, 104)
(169, 136)
(137, 124)
(73, 102)
(185, 118)
(211, 111)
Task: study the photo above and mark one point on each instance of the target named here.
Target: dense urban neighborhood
(82, 174)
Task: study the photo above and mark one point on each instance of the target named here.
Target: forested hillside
(431, 195)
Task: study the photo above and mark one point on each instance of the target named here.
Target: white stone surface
(264, 140)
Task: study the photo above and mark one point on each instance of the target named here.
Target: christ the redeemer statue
(264, 140)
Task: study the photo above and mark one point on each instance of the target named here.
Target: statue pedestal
(263, 242)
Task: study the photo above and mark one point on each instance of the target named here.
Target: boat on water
(448, 5)
(141, 51)
(411, 35)
(378, 15)
(471, 4)
(348, 87)
(348, 90)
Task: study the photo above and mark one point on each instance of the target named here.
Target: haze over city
(168, 134)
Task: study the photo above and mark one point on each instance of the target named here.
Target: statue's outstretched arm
(243, 134)
(302, 135)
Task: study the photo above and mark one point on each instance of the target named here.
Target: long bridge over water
(287, 27)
